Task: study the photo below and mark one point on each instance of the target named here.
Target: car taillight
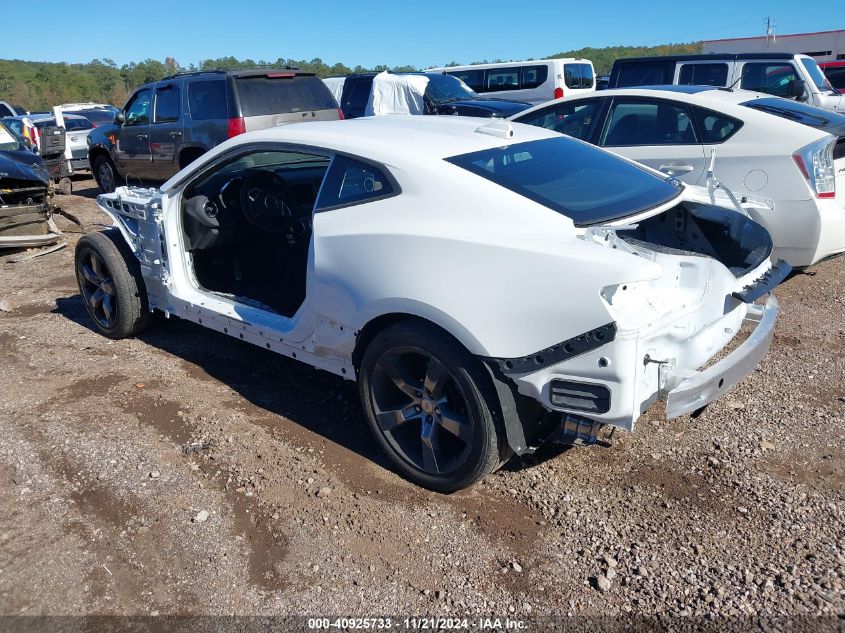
(558, 93)
(236, 126)
(815, 163)
(340, 114)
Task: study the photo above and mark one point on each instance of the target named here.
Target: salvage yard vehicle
(778, 74)
(787, 156)
(169, 123)
(534, 81)
(25, 211)
(373, 94)
(499, 286)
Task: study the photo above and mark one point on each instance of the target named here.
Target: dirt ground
(113, 452)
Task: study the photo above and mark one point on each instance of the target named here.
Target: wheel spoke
(430, 446)
(90, 276)
(455, 424)
(435, 377)
(97, 298)
(399, 375)
(107, 307)
(391, 420)
(96, 265)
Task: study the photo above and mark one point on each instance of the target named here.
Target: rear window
(207, 100)
(798, 112)
(769, 77)
(99, 117)
(262, 95)
(715, 127)
(578, 75)
(70, 124)
(643, 75)
(703, 75)
(576, 180)
(8, 141)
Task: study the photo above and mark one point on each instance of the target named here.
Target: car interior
(247, 227)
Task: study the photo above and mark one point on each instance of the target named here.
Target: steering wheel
(263, 196)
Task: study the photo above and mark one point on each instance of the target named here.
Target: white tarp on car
(335, 86)
(397, 94)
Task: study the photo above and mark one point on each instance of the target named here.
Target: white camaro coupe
(490, 286)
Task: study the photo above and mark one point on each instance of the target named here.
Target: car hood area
(25, 210)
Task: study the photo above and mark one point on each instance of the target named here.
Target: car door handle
(141, 137)
(175, 134)
(672, 169)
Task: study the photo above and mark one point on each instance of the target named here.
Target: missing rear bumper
(687, 391)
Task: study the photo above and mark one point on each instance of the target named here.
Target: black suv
(167, 124)
(444, 94)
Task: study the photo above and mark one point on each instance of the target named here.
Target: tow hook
(648, 359)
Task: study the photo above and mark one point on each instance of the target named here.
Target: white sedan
(787, 156)
(490, 286)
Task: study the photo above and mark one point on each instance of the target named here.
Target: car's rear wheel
(430, 407)
(111, 285)
(105, 174)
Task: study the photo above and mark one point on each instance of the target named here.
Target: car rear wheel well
(367, 333)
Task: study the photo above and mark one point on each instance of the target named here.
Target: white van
(534, 81)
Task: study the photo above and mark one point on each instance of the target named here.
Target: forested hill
(39, 85)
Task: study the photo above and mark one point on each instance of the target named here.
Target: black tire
(104, 173)
(468, 455)
(108, 273)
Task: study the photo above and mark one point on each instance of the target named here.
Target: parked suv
(167, 124)
(785, 75)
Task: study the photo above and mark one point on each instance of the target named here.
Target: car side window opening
(643, 74)
(704, 75)
(642, 122)
(769, 77)
(574, 118)
(714, 127)
(534, 76)
(836, 77)
(503, 79)
(207, 100)
(351, 181)
(138, 109)
(247, 225)
(168, 104)
(472, 78)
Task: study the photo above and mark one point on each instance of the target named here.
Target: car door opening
(247, 227)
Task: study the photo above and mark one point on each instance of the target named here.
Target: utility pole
(770, 29)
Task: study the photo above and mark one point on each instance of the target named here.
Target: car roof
(386, 139)
(704, 57)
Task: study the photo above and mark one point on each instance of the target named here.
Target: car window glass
(715, 127)
(283, 94)
(503, 79)
(472, 78)
(578, 75)
(168, 104)
(350, 181)
(8, 141)
(77, 124)
(836, 76)
(645, 122)
(816, 74)
(138, 111)
(770, 77)
(703, 75)
(534, 76)
(207, 100)
(359, 95)
(572, 178)
(643, 75)
(573, 118)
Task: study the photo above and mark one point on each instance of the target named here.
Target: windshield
(799, 112)
(816, 74)
(443, 88)
(582, 182)
(8, 141)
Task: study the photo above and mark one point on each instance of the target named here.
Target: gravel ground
(184, 472)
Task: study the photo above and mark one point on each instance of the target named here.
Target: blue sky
(424, 33)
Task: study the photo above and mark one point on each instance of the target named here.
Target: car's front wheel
(111, 285)
(430, 407)
(104, 173)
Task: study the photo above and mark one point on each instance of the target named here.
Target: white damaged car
(489, 286)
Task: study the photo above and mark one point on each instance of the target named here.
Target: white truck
(787, 75)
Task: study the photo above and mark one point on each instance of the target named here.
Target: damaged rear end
(712, 277)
